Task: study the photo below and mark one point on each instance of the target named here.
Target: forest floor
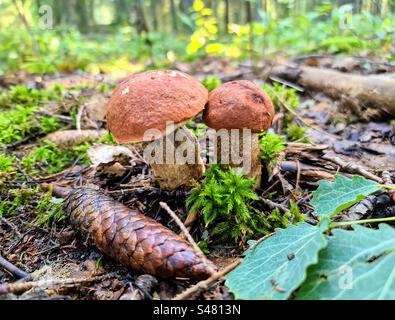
(335, 138)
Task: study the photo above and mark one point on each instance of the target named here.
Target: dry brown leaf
(67, 138)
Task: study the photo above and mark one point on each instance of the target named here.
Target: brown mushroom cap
(239, 105)
(149, 100)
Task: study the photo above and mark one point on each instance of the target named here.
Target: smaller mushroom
(239, 110)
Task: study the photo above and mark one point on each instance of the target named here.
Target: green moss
(287, 95)
(14, 201)
(224, 199)
(49, 158)
(49, 210)
(23, 120)
(296, 133)
(271, 146)
(6, 163)
(46, 208)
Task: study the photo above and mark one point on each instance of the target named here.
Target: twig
(79, 117)
(185, 231)
(18, 288)
(284, 104)
(205, 284)
(273, 205)
(12, 268)
(388, 181)
(352, 167)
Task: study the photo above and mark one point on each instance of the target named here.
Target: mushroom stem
(179, 161)
(240, 150)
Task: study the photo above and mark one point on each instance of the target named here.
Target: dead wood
(18, 288)
(12, 268)
(370, 97)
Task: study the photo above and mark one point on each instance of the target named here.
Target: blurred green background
(47, 36)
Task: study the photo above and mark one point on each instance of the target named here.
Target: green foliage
(23, 120)
(6, 163)
(22, 95)
(15, 201)
(49, 124)
(271, 146)
(211, 82)
(276, 219)
(46, 208)
(49, 158)
(332, 197)
(224, 198)
(296, 133)
(16, 124)
(107, 139)
(356, 265)
(49, 210)
(279, 92)
(277, 266)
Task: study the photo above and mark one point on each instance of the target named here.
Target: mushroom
(154, 106)
(239, 110)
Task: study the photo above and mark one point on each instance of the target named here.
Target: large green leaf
(358, 264)
(332, 197)
(277, 266)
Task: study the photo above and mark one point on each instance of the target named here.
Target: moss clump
(50, 159)
(224, 199)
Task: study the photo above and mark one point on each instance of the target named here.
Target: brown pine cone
(131, 238)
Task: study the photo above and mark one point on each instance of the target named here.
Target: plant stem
(349, 223)
(388, 187)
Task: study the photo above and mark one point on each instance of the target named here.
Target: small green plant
(107, 139)
(49, 210)
(279, 93)
(271, 146)
(6, 163)
(224, 199)
(49, 124)
(211, 82)
(17, 124)
(296, 133)
(22, 95)
(16, 200)
(49, 158)
(276, 219)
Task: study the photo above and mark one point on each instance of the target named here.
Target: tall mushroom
(153, 106)
(242, 110)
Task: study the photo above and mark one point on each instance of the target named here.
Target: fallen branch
(273, 205)
(5, 264)
(352, 167)
(18, 288)
(371, 96)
